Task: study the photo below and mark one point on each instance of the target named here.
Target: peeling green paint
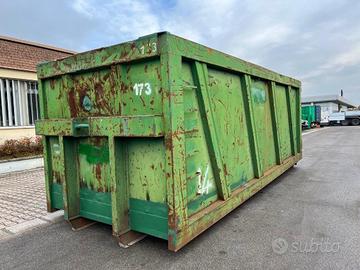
(258, 95)
(94, 154)
(162, 135)
(86, 103)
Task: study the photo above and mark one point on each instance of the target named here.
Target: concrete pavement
(20, 164)
(22, 197)
(23, 202)
(309, 218)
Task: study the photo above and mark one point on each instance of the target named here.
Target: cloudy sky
(315, 41)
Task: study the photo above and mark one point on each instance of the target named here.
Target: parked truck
(345, 118)
(311, 114)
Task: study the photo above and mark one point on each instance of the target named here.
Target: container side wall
(231, 128)
(254, 120)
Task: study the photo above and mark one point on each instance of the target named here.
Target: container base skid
(80, 223)
(130, 238)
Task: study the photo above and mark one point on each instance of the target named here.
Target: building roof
(328, 98)
(25, 55)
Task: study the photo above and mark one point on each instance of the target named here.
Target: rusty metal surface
(130, 238)
(80, 223)
(163, 135)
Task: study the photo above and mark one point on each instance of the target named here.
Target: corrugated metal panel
(162, 135)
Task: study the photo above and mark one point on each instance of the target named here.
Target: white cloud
(270, 35)
(309, 42)
(345, 59)
(306, 41)
(119, 19)
(336, 63)
(84, 7)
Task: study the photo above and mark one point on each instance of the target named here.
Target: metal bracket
(80, 223)
(80, 127)
(130, 238)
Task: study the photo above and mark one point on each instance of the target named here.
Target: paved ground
(20, 164)
(307, 219)
(22, 197)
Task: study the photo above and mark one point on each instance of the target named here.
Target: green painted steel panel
(201, 187)
(155, 215)
(93, 163)
(162, 135)
(145, 169)
(231, 126)
(57, 196)
(263, 123)
(283, 121)
(95, 205)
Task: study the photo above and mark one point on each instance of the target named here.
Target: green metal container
(311, 113)
(162, 136)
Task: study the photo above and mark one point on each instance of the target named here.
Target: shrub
(21, 148)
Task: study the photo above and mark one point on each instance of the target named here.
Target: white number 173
(140, 88)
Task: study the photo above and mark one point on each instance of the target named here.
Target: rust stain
(168, 144)
(99, 97)
(98, 175)
(142, 101)
(158, 73)
(225, 170)
(123, 88)
(52, 83)
(72, 102)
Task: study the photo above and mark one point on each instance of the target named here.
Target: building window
(19, 103)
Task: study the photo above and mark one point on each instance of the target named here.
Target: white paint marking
(139, 88)
(198, 172)
(203, 183)
(154, 47)
(316, 130)
(206, 181)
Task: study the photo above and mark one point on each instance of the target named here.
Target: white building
(19, 104)
(328, 104)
